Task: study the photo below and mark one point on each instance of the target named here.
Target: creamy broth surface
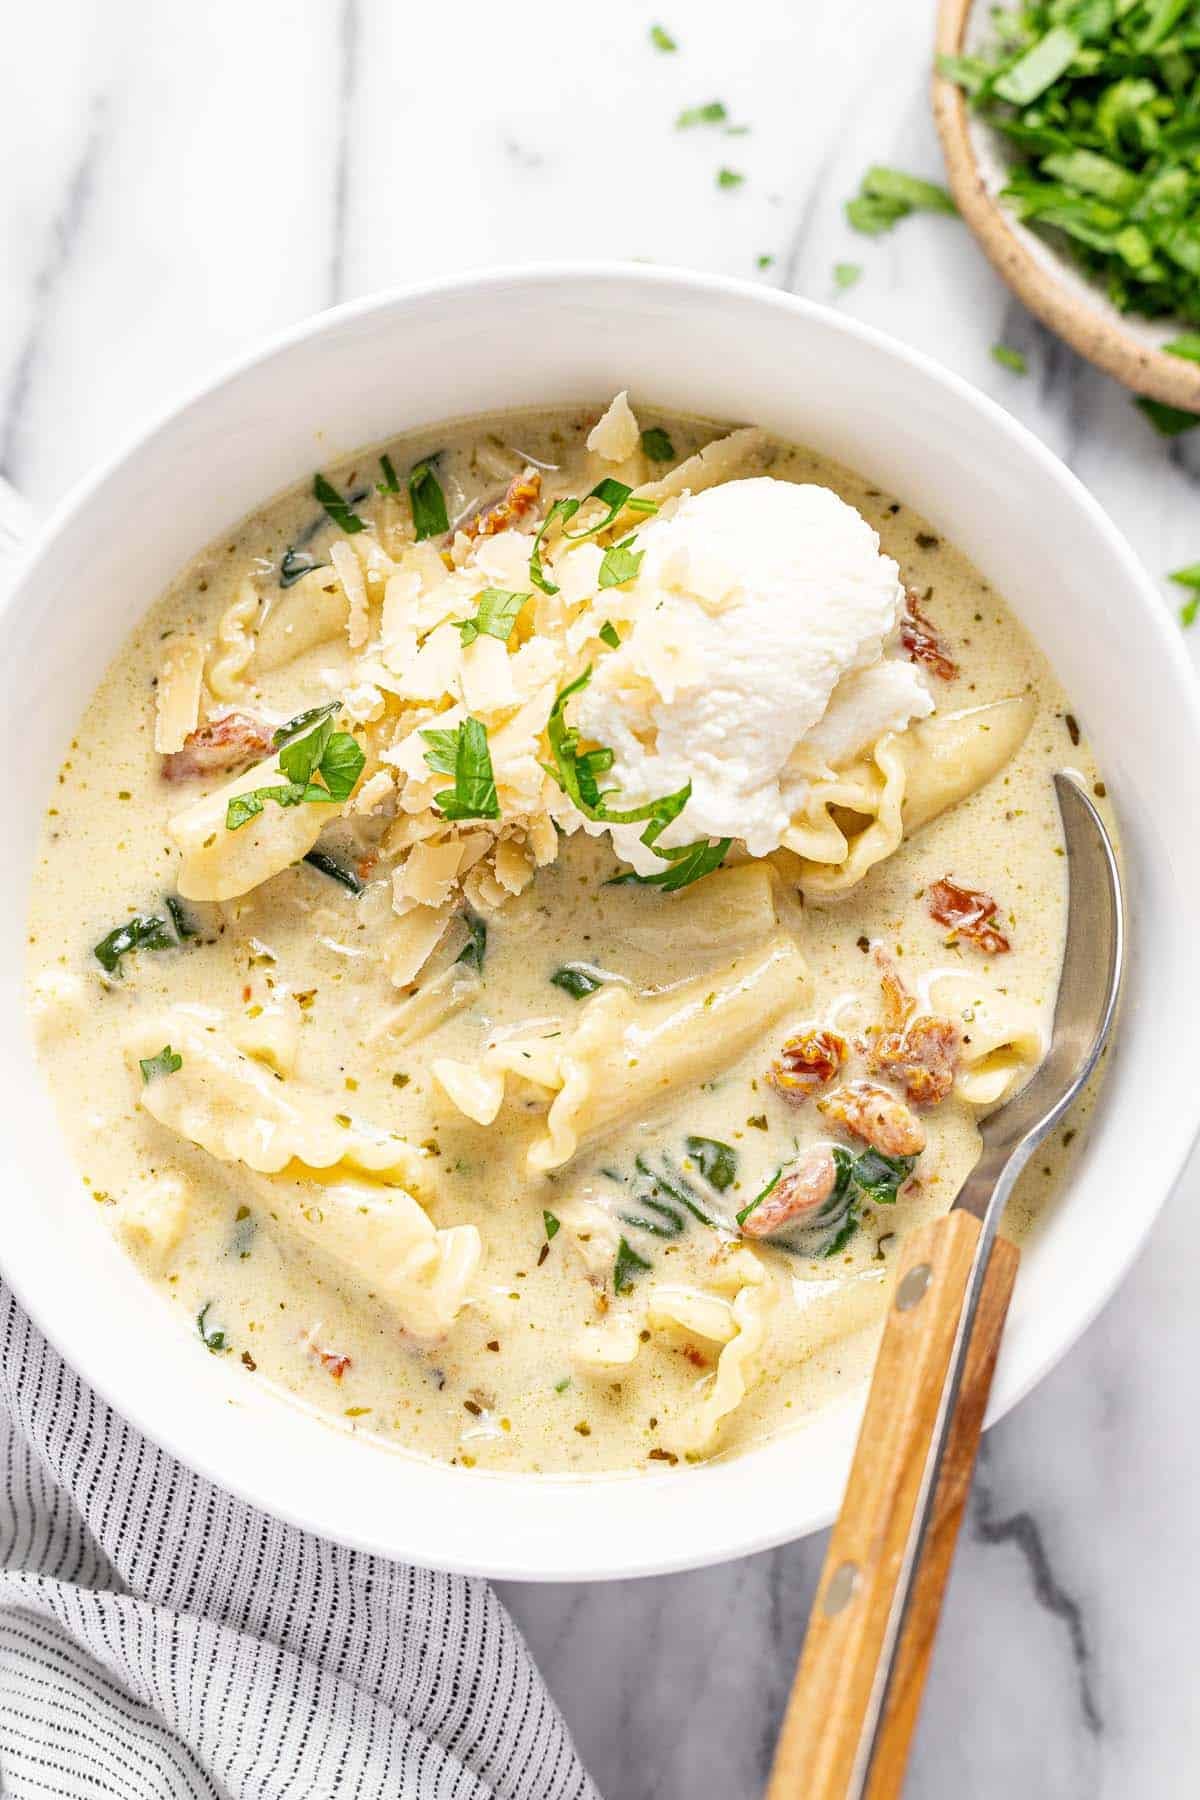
(559, 1358)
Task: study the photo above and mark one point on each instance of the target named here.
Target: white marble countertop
(176, 181)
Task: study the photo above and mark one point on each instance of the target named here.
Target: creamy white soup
(532, 918)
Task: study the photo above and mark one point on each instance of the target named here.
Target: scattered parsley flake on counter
(339, 510)
(1008, 358)
(729, 178)
(1168, 421)
(657, 445)
(427, 500)
(165, 1063)
(390, 483)
(886, 196)
(846, 274)
(1188, 578)
(464, 754)
(661, 38)
(495, 616)
(712, 113)
(764, 261)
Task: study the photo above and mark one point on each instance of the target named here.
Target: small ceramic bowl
(1051, 285)
(573, 335)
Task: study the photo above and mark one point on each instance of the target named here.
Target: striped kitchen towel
(161, 1641)
(158, 1638)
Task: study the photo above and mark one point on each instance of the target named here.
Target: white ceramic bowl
(696, 344)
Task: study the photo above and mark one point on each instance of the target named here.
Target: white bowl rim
(739, 1537)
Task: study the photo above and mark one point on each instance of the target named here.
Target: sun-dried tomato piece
(876, 1116)
(923, 1057)
(923, 643)
(805, 1187)
(332, 1360)
(806, 1063)
(969, 914)
(520, 497)
(219, 747)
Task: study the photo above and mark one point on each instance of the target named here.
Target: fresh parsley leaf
(428, 502)
(661, 38)
(165, 1063)
(729, 178)
(1186, 345)
(142, 932)
(308, 748)
(475, 948)
(181, 919)
(473, 795)
(340, 767)
(608, 634)
(627, 1267)
(1169, 421)
(303, 722)
(1189, 610)
(887, 195)
(711, 113)
(611, 494)
(657, 445)
(552, 1225)
(1188, 578)
(764, 261)
(561, 509)
(1039, 68)
(339, 510)
(213, 1341)
(620, 564)
(244, 807)
(495, 616)
(717, 1162)
(390, 483)
(336, 871)
(295, 564)
(880, 1178)
(300, 754)
(688, 863)
(846, 274)
(1008, 358)
(578, 979)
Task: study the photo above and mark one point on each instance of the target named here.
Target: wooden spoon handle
(831, 1697)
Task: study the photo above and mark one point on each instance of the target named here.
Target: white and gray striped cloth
(161, 1641)
(158, 1638)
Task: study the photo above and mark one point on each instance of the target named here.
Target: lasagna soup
(533, 917)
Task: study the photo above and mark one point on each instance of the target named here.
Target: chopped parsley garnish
(1098, 103)
(764, 261)
(145, 931)
(321, 765)
(657, 445)
(886, 196)
(295, 564)
(661, 38)
(711, 113)
(578, 979)
(879, 1177)
(213, 1341)
(608, 634)
(627, 1267)
(1188, 578)
(165, 1063)
(846, 274)
(717, 1162)
(463, 752)
(729, 178)
(1169, 421)
(336, 871)
(552, 1225)
(181, 919)
(688, 863)
(620, 564)
(495, 616)
(475, 948)
(1008, 358)
(339, 510)
(428, 502)
(390, 483)
(615, 496)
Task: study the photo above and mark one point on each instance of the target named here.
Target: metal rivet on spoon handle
(854, 1704)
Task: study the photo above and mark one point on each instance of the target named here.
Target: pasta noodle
(230, 657)
(1003, 1037)
(177, 696)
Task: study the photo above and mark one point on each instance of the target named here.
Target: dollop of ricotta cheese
(754, 659)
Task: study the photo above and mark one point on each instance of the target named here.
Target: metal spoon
(857, 1691)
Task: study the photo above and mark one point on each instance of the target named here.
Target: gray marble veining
(190, 178)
